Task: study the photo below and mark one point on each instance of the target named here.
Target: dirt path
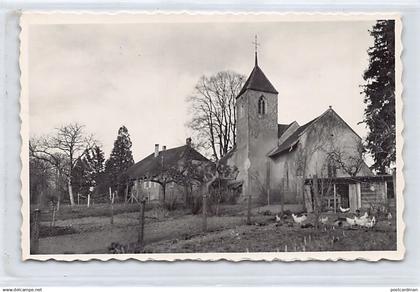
(98, 241)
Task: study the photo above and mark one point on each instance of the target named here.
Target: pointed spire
(256, 50)
(257, 80)
(256, 59)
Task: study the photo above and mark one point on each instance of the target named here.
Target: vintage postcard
(209, 136)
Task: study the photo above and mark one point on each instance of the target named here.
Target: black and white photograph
(211, 136)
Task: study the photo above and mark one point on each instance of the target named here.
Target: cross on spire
(256, 44)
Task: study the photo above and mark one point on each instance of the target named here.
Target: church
(278, 161)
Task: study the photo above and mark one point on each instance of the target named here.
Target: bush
(225, 195)
(196, 204)
(160, 213)
(171, 203)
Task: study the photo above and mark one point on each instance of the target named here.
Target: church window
(261, 106)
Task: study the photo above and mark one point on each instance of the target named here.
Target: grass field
(178, 232)
(81, 211)
(272, 238)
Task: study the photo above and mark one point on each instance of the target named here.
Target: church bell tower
(257, 129)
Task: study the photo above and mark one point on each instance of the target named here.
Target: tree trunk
(141, 219)
(316, 200)
(126, 194)
(163, 192)
(204, 212)
(248, 217)
(70, 193)
(282, 200)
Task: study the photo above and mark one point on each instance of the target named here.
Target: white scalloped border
(82, 16)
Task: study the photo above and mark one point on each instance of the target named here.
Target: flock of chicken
(362, 221)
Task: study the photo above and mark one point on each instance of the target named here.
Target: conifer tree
(88, 172)
(119, 161)
(379, 91)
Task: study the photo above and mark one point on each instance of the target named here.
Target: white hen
(370, 223)
(344, 210)
(364, 216)
(278, 218)
(300, 219)
(350, 221)
(361, 221)
(323, 220)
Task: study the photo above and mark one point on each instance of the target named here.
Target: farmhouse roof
(257, 81)
(151, 166)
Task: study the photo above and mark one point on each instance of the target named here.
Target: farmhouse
(154, 176)
(278, 161)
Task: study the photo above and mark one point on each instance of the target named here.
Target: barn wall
(286, 180)
(309, 157)
(330, 133)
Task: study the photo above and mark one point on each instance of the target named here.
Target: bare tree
(63, 149)
(213, 111)
(39, 150)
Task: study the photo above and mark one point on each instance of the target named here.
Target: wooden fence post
(126, 194)
(394, 181)
(248, 217)
(141, 219)
(35, 226)
(315, 183)
(205, 213)
(282, 195)
(111, 200)
(53, 215)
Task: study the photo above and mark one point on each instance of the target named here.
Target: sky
(140, 74)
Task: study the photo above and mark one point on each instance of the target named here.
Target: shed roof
(151, 166)
(354, 179)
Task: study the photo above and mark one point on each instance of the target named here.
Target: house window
(261, 106)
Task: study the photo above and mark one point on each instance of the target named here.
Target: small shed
(362, 192)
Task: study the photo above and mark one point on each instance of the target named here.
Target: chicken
(350, 221)
(278, 218)
(323, 220)
(370, 223)
(300, 219)
(361, 221)
(344, 210)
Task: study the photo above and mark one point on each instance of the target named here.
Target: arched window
(261, 106)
